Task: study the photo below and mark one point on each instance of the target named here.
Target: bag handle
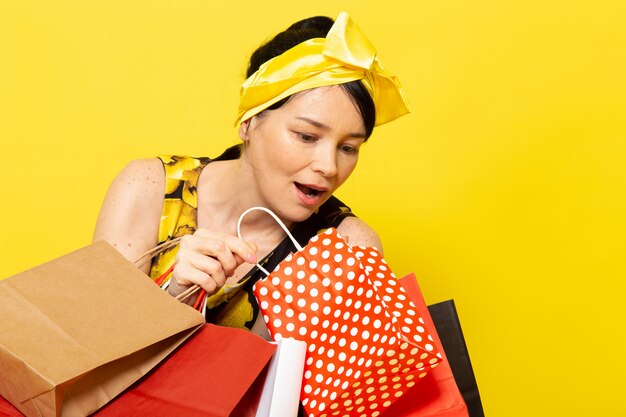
(280, 223)
(163, 280)
(146, 257)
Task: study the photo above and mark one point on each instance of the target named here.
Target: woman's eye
(349, 149)
(306, 138)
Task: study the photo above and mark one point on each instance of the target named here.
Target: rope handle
(146, 257)
(280, 223)
(163, 280)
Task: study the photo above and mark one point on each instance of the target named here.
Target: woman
(312, 98)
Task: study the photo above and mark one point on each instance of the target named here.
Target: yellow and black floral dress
(233, 305)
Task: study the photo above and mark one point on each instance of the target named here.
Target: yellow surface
(505, 189)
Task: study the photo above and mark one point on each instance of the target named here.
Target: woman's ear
(243, 130)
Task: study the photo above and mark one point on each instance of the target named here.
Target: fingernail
(251, 258)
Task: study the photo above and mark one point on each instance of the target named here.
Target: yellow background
(505, 189)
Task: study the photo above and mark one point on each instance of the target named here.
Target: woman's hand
(209, 258)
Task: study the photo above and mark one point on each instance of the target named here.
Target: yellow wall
(505, 189)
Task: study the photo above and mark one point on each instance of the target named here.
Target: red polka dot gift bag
(366, 343)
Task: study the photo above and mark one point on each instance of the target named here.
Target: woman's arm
(359, 233)
(131, 212)
(129, 220)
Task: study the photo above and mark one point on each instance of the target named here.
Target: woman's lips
(310, 194)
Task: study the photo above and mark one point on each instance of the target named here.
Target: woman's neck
(225, 190)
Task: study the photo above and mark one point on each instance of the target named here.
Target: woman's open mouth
(310, 194)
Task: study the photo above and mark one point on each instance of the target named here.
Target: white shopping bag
(281, 390)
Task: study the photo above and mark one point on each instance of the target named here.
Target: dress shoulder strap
(180, 203)
(181, 176)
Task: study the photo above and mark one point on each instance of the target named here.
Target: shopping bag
(367, 344)
(78, 330)
(8, 410)
(281, 392)
(208, 376)
(448, 326)
(437, 395)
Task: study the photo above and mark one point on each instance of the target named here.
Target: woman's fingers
(186, 275)
(221, 244)
(209, 258)
(198, 251)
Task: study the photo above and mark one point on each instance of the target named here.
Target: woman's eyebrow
(327, 128)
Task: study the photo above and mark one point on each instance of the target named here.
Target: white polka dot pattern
(366, 343)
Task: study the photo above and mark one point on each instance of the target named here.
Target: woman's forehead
(328, 102)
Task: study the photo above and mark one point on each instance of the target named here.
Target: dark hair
(313, 27)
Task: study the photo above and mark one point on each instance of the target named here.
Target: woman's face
(303, 151)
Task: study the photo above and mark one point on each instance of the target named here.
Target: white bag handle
(271, 213)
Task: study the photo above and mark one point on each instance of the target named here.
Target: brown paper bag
(78, 330)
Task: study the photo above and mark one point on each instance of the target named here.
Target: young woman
(313, 96)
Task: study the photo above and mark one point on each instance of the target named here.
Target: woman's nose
(325, 160)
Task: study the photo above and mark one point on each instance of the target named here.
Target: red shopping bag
(8, 410)
(437, 394)
(367, 344)
(218, 372)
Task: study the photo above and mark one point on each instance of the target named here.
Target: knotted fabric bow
(344, 55)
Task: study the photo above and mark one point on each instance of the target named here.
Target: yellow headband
(344, 55)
